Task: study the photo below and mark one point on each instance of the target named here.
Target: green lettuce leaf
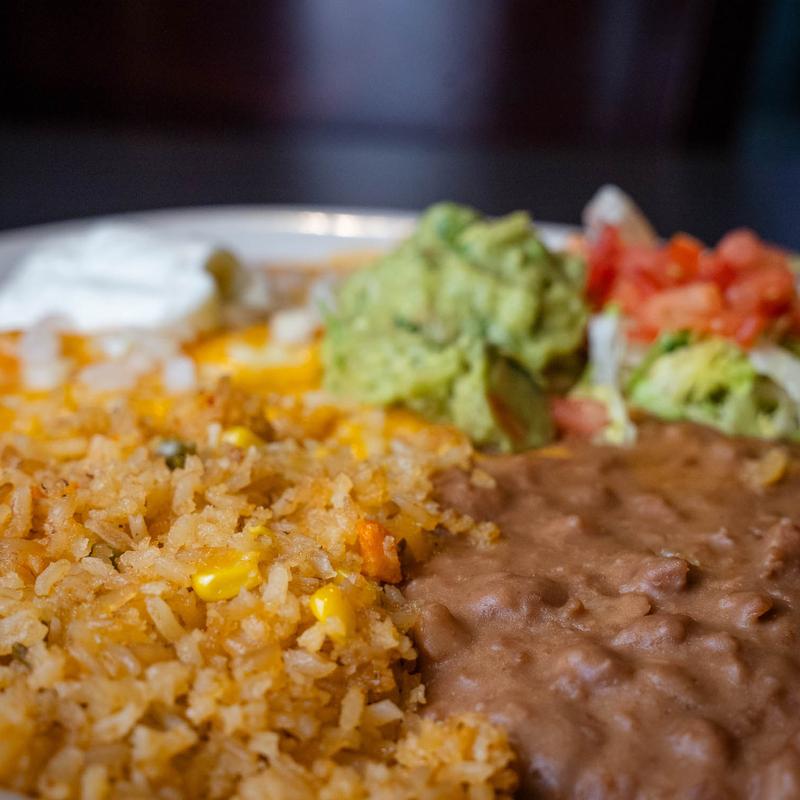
(713, 382)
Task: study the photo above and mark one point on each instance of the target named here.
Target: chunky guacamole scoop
(466, 322)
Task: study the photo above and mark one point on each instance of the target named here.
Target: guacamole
(465, 322)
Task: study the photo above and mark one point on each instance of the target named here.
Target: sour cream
(118, 277)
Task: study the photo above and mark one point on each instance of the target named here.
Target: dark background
(691, 105)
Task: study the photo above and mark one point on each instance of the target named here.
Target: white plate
(257, 234)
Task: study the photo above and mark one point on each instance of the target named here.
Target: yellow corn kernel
(224, 576)
(330, 606)
(239, 436)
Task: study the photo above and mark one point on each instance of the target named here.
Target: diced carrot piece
(379, 552)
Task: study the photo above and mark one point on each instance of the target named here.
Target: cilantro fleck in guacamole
(463, 323)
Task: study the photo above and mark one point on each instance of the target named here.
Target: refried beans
(636, 627)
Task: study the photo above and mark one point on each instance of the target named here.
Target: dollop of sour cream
(119, 277)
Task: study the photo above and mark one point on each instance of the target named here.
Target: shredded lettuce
(713, 382)
(603, 378)
(780, 365)
(606, 348)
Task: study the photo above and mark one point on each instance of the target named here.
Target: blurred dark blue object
(693, 105)
(574, 71)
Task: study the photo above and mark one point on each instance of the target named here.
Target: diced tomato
(726, 323)
(740, 248)
(599, 281)
(648, 265)
(684, 252)
(580, 416)
(750, 328)
(603, 258)
(688, 307)
(711, 267)
(632, 291)
(743, 290)
(774, 257)
(769, 290)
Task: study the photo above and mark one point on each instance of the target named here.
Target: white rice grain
(50, 576)
(164, 619)
(381, 713)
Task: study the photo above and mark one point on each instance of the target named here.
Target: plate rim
(296, 218)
